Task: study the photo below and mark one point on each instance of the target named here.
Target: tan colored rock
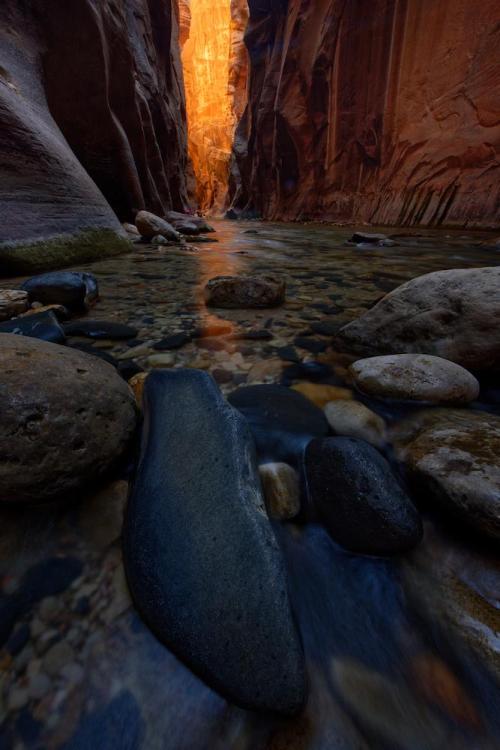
(416, 377)
(241, 292)
(59, 311)
(137, 384)
(321, 394)
(161, 360)
(149, 226)
(65, 419)
(451, 314)
(454, 454)
(354, 419)
(265, 371)
(12, 302)
(281, 486)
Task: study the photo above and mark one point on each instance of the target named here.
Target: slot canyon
(250, 374)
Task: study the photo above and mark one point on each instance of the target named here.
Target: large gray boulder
(453, 314)
(202, 562)
(454, 455)
(65, 418)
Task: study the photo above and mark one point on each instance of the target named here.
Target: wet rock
(288, 354)
(454, 454)
(136, 382)
(312, 371)
(159, 240)
(358, 498)
(245, 292)
(265, 371)
(282, 421)
(175, 341)
(281, 486)
(451, 314)
(74, 290)
(186, 227)
(321, 394)
(65, 418)
(315, 346)
(131, 229)
(150, 226)
(202, 562)
(100, 329)
(369, 238)
(61, 312)
(12, 302)
(416, 377)
(354, 419)
(161, 360)
(44, 326)
(174, 217)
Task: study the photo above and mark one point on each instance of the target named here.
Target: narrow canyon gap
(215, 66)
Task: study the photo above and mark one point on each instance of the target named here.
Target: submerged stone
(44, 326)
(358, 498)
(100, 329)
(74, 290)
(245, 291)
(202, 561)
(282, 421)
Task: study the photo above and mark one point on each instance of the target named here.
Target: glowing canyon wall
(215, 67)
(382, 111)
(92, 119)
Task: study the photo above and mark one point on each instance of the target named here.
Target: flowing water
(401, 653)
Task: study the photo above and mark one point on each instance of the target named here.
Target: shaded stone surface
(417, 377)
(73, 289)
(358, 498)
(354, 419)
(281, 486)
(43, 325)
(12, 302)
(452, 314)
(454, 454)
(151, 226)
(282, 421)
(65, 419)
(245, 291)
(100, 329)
(202, 562)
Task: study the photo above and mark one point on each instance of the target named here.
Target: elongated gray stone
(202, 562)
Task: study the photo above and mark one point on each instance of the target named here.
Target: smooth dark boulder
(44, 326)
(202, 562)
(74, 289)
(100, 329)
(358, 498)
(174, 341)
(282, 421)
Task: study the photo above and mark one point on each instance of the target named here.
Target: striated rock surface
(385, 112)
(215, 72)
(91, 124)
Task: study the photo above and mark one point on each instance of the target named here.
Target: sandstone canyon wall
(215, 74)
(377, 111)
(91, 124)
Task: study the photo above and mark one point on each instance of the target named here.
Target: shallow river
(401, 653)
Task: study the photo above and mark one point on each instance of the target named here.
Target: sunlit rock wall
(91, 117)
(381, 111)
(214, 59)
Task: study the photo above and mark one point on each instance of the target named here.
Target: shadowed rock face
(386, 112)
(91, 118)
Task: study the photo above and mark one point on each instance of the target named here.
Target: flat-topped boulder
(452, 314)
(202, 562)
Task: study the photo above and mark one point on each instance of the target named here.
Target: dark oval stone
(100, 329)
(44, 326)
(175, 341)
(73, 289)
(202, 562)
(358, 498)
(282, 421)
